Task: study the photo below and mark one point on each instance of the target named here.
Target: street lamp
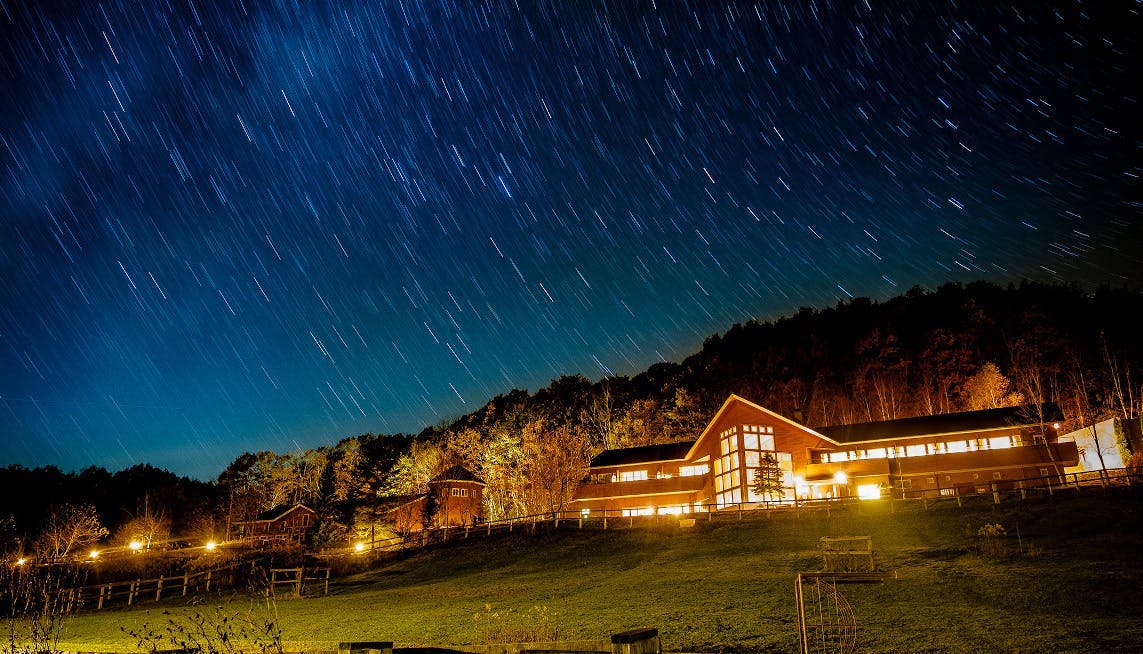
(210, 546)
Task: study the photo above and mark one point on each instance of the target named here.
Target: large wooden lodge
(949, 454)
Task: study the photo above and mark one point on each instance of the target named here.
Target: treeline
(961, 347)
(56, 514)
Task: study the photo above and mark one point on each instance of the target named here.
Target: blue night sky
(235, 225)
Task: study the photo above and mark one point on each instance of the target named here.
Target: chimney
(799, 417)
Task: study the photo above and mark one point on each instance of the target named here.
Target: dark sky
(232, 225)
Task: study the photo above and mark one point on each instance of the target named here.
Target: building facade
(455, 499)
(280, 527)
(926, 456)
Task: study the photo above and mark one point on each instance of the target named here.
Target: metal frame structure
(829, 625)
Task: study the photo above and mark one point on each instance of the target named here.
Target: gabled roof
(457, 473)
(277, 513)
(644, 454)
(741, 400)
(945, 423)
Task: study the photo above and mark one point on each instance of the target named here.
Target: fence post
(186, 580)
(209, 574)
(1075, 480)
(159, 589)
(995, 492)
(636, 641)
(740, 510)
(131, 594)
(99, 605)
(375, 647)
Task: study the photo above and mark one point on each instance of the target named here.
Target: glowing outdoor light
(135, 546)
(840, 477)
(869, 492)
(21, 561)
(585, 512)
(94, 554)
(359, 547)
(1055, 425)
(210, 546)
(800, 485)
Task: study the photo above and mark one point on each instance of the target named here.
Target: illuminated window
(869, 491)
(948, 491)
(633, 475)
(647, 510)
(996, 475)
(878, 453)
(1000, 442)
(694, 471)
(915, 450)
(958, 446)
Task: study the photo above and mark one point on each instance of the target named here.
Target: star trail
(238, 225)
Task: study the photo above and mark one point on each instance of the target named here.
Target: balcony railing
(658, 486)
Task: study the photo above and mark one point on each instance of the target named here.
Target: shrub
(991, 540)
(214, 631)
(34, 602)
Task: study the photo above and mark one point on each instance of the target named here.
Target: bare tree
(149, 528)
(68, 529)
(600, 417)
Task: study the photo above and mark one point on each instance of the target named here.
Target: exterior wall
(817, 468)
(663, 489)
(409, 517)
(1097, 451)
(458, 502)
(288, 531)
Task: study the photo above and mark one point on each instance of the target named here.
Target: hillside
(1069, 584)
(959, 347)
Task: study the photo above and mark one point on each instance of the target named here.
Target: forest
(959, 347)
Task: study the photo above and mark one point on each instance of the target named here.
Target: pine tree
(768, 478)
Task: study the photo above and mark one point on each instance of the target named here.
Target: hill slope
(728, 584)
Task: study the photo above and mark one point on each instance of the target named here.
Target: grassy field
(728, 585)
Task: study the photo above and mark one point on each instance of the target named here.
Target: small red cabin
(283, 526)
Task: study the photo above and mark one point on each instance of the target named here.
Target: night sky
(231, 225)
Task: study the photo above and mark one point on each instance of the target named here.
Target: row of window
(642, 475)
(927, 449)
(459, 492)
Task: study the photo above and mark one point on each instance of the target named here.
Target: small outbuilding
(455, 499)
(280, 527)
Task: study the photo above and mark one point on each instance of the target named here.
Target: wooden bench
(847, 553)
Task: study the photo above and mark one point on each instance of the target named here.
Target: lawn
(728, 585)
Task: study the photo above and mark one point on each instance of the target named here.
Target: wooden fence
(294, 580)
(895, 499)
(129, 593)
